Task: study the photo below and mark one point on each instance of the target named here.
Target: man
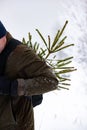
(22, 75)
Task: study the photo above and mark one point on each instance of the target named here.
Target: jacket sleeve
(8, 87)
(24, 63)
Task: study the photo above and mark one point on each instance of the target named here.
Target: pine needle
(60, 66)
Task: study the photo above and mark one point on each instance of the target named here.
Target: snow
(60, 110)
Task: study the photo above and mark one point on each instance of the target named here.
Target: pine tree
(49, 54)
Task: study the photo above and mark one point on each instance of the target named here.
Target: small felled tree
(50, 52)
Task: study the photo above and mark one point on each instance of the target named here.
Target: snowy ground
(60, 110)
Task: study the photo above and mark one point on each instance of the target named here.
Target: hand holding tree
(60, 66)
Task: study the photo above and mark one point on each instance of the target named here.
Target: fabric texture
(6, 114)
(16, 113)
(24, 63)
(23, 113)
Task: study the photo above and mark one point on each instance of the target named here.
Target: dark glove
(36, 86)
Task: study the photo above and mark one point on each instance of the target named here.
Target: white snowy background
(60, 110)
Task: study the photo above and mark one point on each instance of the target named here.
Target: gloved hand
(35, 86)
